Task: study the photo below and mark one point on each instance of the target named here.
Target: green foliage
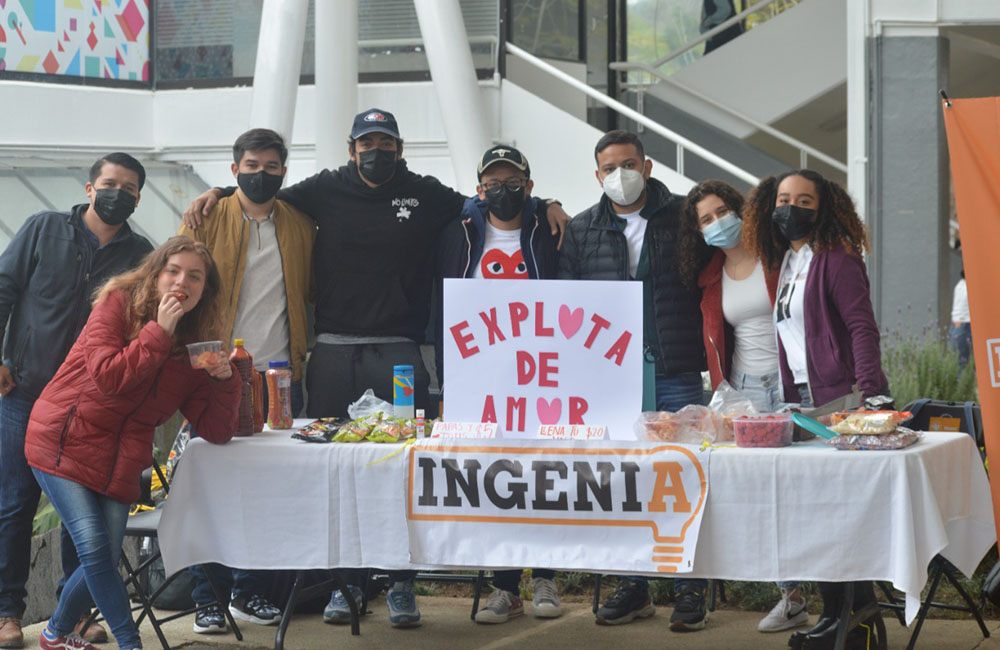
(920, 364)
(45, 518)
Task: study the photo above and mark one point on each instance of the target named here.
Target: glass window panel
(549, 28)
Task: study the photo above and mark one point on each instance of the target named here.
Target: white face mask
(624, 186)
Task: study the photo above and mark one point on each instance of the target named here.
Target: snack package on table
(899, 439)
(393, 429)
(867, 422)
(729, 403)
(357, 430)
(322, 430)
(692, 424)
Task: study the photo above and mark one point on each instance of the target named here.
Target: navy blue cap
(506, 154)
(374, 120)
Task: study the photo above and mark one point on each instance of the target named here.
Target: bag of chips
(322, 430)
(357, 430)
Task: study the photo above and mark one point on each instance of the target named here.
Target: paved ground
(447, 625)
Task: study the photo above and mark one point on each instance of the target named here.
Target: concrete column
(909, 180)
(858, 16)
(278, 66)
(336, 79)
(456, 86)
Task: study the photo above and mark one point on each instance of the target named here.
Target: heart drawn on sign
(570, 321)
(549, 412)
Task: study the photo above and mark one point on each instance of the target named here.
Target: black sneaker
(629, 602)
(210, 621)
(689, 612)
(254, 608)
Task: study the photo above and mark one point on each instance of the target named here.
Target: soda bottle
(244, 364)
(279, 395)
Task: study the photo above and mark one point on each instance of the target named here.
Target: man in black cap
(378, 224)
(502, 234)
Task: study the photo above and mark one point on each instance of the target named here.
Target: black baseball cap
(374, 120)
(507, 154)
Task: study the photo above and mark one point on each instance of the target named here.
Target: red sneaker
(68, 642)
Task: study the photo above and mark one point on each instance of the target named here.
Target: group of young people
(769, 294)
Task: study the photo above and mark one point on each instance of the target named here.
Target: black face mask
(377, 165)
(793, 221)
(259, 187)
(114, 207)
(504, 204)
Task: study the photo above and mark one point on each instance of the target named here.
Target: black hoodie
(372, 257)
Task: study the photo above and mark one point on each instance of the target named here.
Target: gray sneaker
(545, 603)
(500, 608)
(338, 611)
(402, 605)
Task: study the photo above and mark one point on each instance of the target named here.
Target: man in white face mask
(630, 234)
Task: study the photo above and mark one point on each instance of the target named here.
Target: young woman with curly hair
(91, 431)
(828, 341)
(737, 296)
(737, 305)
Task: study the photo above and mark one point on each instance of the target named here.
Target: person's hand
(558, 219)
(202, 205)
(221, 371)
(7, 383)
(169, 313)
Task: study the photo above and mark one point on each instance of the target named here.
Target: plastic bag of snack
(368, 404)
(692, 424)
(389, 429)
(899, 439)
(322, 430)
(870, 423)
(730, 403)
(357, 430)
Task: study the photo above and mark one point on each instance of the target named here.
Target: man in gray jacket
(48, 275)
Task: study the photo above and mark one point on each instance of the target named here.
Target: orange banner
(973, 127)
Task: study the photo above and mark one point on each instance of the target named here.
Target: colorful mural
(106, 39)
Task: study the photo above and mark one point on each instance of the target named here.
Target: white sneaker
(545, 602)
(785, 615)
(500, 608)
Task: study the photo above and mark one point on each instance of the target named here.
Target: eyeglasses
(512, 185)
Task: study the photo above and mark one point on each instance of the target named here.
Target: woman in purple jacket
(828, 342)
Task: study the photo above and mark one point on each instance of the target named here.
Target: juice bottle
(244, 364)
(259, 407)
(279, 395)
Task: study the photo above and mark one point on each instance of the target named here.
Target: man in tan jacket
(263, 250)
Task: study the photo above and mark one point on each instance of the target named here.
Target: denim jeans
(673, 394)
(239, 581)
(97, 526)
(510, 579)
(960, 340)
(19, 495)
(763, 390)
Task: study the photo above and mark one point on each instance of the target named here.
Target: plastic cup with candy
(206, 354)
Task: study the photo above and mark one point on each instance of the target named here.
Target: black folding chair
(144, 524)
(924, 412)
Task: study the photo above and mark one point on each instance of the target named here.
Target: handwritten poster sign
(527, 353)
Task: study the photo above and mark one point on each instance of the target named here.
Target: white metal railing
(682, 143)
(805, 151)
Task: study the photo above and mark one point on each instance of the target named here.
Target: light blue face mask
(724, 232)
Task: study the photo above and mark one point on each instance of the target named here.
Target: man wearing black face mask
(48, 273)
(502, 234)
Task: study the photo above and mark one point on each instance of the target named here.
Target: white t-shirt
(789, 312)
(960, 304)
(502, 255)
(747, 308)
(635, 233)
(262, 308)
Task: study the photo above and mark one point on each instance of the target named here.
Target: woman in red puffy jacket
(91, 431)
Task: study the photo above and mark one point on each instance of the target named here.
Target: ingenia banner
(973, 127)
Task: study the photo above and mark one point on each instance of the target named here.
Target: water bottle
(402, 391)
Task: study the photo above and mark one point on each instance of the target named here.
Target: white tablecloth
(805, 512)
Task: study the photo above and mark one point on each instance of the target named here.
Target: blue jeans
(763, 390)
(19, 495)
(960, 340)
(240, 581)
(673, 394)
(97, 526)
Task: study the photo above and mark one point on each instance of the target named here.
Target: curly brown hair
(692, 251)
(837, 221)
(203, 323)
